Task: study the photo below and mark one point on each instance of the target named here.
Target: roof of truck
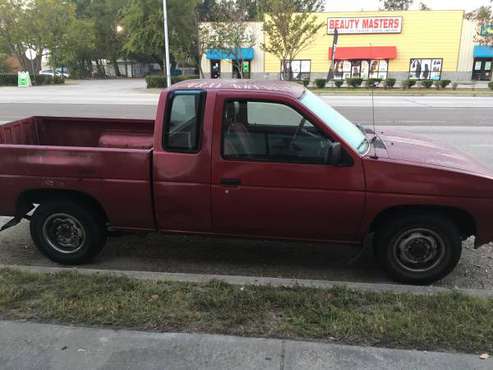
(291, 88)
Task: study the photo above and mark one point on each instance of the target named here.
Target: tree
(396, 4)
(484, 19)
(143, 24)
(103, 20)
(289, 28)
(12, 30)
(230, 34)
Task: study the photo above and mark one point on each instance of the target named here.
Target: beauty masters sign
(357, 25)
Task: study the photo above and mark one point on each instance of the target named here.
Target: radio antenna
(374, 125)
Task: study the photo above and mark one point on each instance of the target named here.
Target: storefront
(483, 63)
(406, 44)
(239, 62)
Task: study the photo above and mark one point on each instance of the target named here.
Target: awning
(482, 51)
(365, 52)
(219, 54)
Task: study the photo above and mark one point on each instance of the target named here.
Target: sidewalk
(26, 345)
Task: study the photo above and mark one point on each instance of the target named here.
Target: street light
(166, 45)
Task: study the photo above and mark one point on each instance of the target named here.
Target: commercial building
(380, 44)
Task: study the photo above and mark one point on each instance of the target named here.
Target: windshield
(344, 128)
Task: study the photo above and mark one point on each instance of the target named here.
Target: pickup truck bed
(79, 132)
(109, 159)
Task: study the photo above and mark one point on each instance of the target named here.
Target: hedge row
(490, 85)
(10, 79)
(388, 83)
(159, 82)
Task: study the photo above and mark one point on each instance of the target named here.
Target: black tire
(429, 236)
(57, 224)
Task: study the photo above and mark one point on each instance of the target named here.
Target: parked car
(59, 73)
(250, 159)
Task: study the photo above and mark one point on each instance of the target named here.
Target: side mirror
(333, 155)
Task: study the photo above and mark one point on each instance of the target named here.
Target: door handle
(230, 182)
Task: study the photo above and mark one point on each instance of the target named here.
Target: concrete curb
(258, 281)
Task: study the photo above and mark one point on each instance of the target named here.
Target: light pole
(166, 45)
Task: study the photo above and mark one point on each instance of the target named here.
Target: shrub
(389, 83)
(10, 79)
(320, 83)
(338, 83)
(159, 82)
(373, 82)
(490, 85)
(306, 83)
(426, 83)
(354, 82)
(444, 83)
(155, 82)
(176, 79)
(455, 85)
(436, 84)
(407, 84)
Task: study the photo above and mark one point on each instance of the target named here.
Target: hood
(402, 146)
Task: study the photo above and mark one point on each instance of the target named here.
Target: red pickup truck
(248, 159)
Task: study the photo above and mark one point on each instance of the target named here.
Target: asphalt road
(466, 123)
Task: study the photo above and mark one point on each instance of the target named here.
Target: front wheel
(418, 248)
(67, 232)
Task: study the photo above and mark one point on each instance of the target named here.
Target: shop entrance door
(482, 69)
(215, 68)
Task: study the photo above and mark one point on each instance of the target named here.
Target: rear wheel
(418, 248)
(68, 232)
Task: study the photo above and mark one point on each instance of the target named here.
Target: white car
(58, 71)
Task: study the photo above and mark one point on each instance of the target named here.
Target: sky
(336, 5)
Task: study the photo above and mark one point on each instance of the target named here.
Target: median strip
(444, 321)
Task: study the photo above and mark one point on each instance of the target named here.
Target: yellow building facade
(415, 44)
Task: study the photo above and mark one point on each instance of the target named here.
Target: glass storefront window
(361, 69)
(425, 69)
(300, 69)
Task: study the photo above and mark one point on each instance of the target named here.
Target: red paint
(122, 165)
(365, 52)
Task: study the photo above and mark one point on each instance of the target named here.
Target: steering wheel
(297, 132)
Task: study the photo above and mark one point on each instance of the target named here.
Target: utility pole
(166, 45)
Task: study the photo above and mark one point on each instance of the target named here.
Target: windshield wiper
(364, 142)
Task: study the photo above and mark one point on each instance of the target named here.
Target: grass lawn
(415, 91)
(448, 322)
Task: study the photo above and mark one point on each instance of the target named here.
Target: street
(465, 123)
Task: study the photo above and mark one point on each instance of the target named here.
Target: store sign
(358, 25)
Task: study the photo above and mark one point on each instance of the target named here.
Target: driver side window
(271, 132)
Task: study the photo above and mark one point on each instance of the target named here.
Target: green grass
(448, 322)
(415, 91)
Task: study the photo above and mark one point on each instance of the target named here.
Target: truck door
(182, 162)
(270, 177)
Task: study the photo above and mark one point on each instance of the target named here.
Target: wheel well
(40, 196)
(462, 219)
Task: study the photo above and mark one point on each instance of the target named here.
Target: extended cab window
(267, 131)
(183, 125)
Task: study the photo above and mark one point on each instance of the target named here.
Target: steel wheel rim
(419, 250)
(64, 233)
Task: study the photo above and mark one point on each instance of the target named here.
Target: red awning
(365, 52)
